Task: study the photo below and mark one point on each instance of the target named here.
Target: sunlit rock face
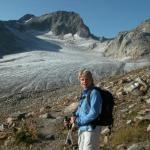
(134, 43)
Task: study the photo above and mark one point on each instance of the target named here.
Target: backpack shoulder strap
(89, 93)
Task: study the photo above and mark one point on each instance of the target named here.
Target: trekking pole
(69, 140)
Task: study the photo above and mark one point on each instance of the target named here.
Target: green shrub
(23, 136)
(27, 133)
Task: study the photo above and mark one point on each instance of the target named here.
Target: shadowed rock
(9, 42)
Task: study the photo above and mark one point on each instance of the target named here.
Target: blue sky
(103, 17)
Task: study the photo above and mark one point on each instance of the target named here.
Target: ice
(48, 69)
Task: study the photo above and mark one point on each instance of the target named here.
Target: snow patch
(28, 20)
(77, 37)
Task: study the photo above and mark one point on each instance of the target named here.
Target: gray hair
(85, 73)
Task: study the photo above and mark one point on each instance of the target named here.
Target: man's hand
(66, 121)
(72, 120)
(69, 122)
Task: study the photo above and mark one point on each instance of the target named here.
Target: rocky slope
(39, 125)
(134, 43)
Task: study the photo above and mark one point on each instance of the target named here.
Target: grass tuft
(129, 134)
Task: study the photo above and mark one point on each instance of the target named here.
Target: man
(87, 111)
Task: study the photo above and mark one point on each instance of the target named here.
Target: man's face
(85, 82)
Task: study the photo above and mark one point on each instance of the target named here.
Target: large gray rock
(134, 43)
(139, 146)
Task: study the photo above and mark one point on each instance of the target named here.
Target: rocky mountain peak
(60, 23)
(26, 17)
(144, 27)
